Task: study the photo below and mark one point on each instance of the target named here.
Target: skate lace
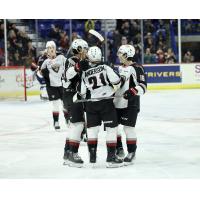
(76, 156)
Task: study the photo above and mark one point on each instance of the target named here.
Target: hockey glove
(84, 65)
(130, 93)
(33, 67)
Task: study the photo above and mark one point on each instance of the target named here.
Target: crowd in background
(19, 45)
(156, 39)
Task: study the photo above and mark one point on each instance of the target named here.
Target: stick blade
(96, 34)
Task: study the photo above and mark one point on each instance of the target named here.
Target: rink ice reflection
(168, 131)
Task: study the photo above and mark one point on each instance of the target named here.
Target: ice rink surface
(168, 132)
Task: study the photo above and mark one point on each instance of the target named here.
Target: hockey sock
(131, 139)
(66, 114)
(111, 140)
(66, 144)
(55, 109)
(92, 137)
(119, 141)
(92, 144)
(74, 146)
(111, 150)
(75, 136)
(55, 116)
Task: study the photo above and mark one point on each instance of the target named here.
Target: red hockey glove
(33, 66)
(130, 93)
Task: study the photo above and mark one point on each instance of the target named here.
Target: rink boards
(159, 77)
(174, 76)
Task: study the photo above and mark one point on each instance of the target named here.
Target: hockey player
(35, 67)
(73, 78)
(128, 105)
(52, 70)
(99, 81)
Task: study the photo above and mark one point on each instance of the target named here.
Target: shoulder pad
(136, 65)
(73, 61)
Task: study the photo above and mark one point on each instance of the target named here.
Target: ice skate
(129, 159)
(66, 157)
(120, 153)
(113, 161)
(93, 155)
(56, 125)
(75, 160)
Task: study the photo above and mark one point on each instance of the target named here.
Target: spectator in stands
(170, 57)
(89, 24)
(137, 56)
(148, 41)
(17, 61)
(13, 27)
(1, 43)
(188, 57)
(134, 29)
(120, 22)
(2, 59)
(20, 49)
(31, 54)
(125, 30)
(160, 40)
(148, 26)
(1, 30)
(124, 40)
(136, 39)
(54, 32)
(160, 57)
(149, 58)
(14, 45)
(76, 36)
(161, 45)
(188, 26)
(64, 40)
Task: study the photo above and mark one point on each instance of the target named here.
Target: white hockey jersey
(54, 69)
(134, 76)
(99, 80)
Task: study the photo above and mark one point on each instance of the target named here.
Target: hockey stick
(97, 35)
(101, 40)
(95, 99)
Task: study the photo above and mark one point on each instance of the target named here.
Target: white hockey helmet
(78, 45)
(51, 44)
(94, 54)
(51, 48)
(127, 51)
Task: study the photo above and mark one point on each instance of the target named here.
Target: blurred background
(161, 41)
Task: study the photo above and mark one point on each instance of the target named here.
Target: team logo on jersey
(142, 78)
(55, 67)
(124, 118)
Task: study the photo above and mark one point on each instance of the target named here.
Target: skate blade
(65, 163)
(68, 125)
(93, 165)
(128, 163)
(111, 165)
(77, 165)
(57, 129)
